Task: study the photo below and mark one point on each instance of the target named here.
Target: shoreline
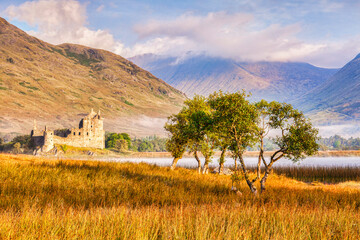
(343, 153)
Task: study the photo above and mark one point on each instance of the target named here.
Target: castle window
(74, 133)
(79, 133)
(91, 125)
(87, 133)
(50, 133)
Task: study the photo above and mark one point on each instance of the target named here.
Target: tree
(112, 138)
(199, 130)
(121, 145)
(297, 137)
(239, 117)
(177, 142)
(220, 129)
(192, 126)
(17, 147)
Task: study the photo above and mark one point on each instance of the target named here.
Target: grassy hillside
(58, 84)
(42, 198)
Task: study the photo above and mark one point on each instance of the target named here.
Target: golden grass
(68, 199)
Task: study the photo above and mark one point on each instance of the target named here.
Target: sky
(324, 33)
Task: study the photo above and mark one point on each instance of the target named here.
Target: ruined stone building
(89, 134)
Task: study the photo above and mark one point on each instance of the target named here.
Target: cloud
(237, 36)
(226, 35)
(61, 21)
(100, 8)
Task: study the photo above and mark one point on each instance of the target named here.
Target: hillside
(57, 85)
(339, 96)
(203, 75)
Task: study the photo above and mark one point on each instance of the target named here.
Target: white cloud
(238, 36)
(235, 36)
(61, 21)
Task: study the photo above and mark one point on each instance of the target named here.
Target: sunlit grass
(54, 199)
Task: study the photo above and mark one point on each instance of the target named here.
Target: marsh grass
(332, 174)
(67, 199)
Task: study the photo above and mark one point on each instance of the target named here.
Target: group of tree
(149, 144)
(230, 122)
(17, 144)
(339, 143)
(122, 142)
(119, 141)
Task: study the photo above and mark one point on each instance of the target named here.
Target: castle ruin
(89, 134)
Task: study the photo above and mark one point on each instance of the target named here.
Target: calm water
(191, 162)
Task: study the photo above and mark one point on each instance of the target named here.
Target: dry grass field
(67, 199)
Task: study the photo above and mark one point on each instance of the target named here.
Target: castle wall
(89, 134)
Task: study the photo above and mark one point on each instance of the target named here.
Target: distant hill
(338, 98)
(57, 85)
(203, 75)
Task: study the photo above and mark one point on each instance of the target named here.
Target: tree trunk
(235, 163)
(260, 158)
(206, 166)
(173, 165)
(221, 162)
(248, 181)
(198, 161)
(263, 180)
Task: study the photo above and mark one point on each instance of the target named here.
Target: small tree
(121, 145)
(177, 142)
(17, 147)
(297, 138)
(239, 117)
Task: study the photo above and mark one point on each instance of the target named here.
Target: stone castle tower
(89, 134)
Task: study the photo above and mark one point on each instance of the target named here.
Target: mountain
(338, 98)
(203, 75)
(57, 85)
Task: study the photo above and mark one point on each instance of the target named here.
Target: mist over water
(249, 161)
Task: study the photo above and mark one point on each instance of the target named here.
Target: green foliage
(121, 145)
(16, 148)
(112, 138)
(81, 58)
(3, 88)
(339, 143)
(235, 118)
(126, 101)
(27, 85)
(24, 141)
(176, 126)
(64, 148)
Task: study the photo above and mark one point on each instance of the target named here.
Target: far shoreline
(332, 153)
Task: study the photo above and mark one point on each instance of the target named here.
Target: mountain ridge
(202, 74)
(55, 84)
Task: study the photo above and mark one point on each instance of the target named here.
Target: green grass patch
(81, 58)
(58, 51)
(126, 101)
(27, 85)
(3, 88)
(21, 92)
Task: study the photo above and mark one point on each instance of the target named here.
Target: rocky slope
(56, 85)
(339, 97)
(203, 75)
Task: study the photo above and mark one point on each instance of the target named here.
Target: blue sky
(323, 32)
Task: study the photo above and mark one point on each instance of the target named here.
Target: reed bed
(331, 174)
(51, 199)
